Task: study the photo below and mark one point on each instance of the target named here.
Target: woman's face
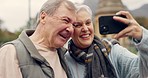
(83, 30)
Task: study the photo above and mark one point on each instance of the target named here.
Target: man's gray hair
(50, 6)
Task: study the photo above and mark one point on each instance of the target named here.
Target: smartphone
(107, 25)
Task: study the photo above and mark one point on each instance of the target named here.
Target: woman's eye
(88, 23)
(77, 25)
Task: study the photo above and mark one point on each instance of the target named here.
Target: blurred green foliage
(6, 36)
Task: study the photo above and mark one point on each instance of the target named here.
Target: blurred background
(16, 15)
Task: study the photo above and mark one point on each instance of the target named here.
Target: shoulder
(7, 48)
(7, 52)
(68, 58)
(8, 61)
(67, 55)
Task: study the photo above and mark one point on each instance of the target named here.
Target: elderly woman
(86, 57)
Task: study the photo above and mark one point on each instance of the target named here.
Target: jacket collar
(24, 38)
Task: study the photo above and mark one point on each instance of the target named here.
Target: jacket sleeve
(129, 65)
(125, 62)
(143, 54)
(9, 67)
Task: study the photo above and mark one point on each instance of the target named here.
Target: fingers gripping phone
(107, 25)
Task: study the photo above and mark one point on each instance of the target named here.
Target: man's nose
(70, 28)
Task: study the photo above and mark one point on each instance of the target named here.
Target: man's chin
(60, 45)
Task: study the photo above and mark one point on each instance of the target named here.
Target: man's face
(59, 27)
(83, 31)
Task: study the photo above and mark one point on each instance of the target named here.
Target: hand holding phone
(107, 25)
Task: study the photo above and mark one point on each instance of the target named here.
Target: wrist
(136, 40)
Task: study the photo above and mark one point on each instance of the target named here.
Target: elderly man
(38, 53)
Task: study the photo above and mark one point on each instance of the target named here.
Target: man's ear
(42, 17)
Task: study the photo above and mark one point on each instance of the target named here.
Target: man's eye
(66, 21)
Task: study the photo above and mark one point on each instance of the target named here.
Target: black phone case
(107, 25)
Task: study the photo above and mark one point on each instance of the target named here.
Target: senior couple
(39, 53)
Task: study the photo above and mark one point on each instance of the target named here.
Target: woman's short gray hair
(83, 7)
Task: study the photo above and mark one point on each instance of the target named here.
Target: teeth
(85, 35)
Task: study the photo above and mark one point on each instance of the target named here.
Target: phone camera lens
(104, 28)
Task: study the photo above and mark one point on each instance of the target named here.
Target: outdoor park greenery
(6, 36)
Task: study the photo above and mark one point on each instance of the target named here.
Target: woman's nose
(84, 28)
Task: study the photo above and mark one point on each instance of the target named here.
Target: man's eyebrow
(67, 18)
